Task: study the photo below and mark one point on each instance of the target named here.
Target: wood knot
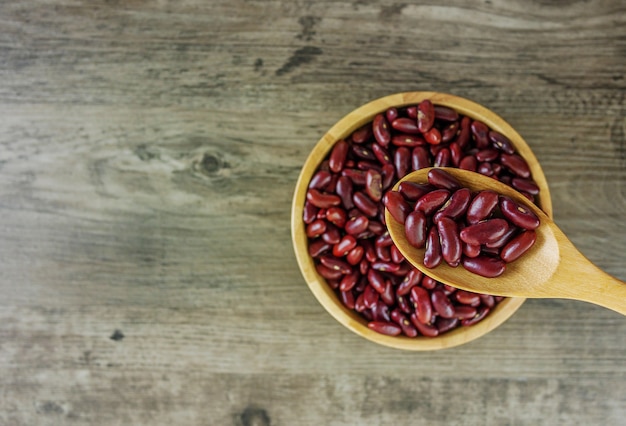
(210, 164)
(117, 335)
(254, 416)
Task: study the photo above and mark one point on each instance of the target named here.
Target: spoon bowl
(552, 268)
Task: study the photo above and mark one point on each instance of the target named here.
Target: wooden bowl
(326, 296)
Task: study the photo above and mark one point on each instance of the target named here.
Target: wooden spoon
(552, 268)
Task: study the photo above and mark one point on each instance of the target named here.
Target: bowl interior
(317, 284)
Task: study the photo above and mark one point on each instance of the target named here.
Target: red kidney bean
(338, 156)
(449, 132)
(380, 128)
(321, 200)
(518, 214)
(397, 206)
(465, 312)
(482, 313)
(356, 225)
(388, 328)
(500, 242)
(388, 296)
(403, 304)
(362, 134)
(433, 136)
(419, 158)
(471, 250)
(396, 256)
(391, 114)
(380, 312)
(464, 133)
(381, 154)
(363, 152)
(456, 154)
(321, 214)
(497, 168)
(484, 232)
(515, 164)
(328, 273)
(388, 174)
(377, 228)
(488, 155)
(411, 112)
(525, 185)
(337, 216)
(347, 243)
(443, 158)
(336, 264)
(411, 279)
(432, 201)
(501, 142)
(332, 235)
(364, 267)
(456, 206)
(374, 185)
(355, 255)
(485, 169)
(400, 318)
(432, 254)
(318, 247)
(415, 229)
(407, 140)
(468, 163)
(376, 280)
(368, 165)
(487, 300)
(518, 246)
(445, 114)
(349, 281)
(347, 298)
(412, 191)
(356, 176)
(485, 266)
(428, 282)
(385, 266)
(442, 180)
(446, 324)
(425, 329)
(481, 134)
(310, 212)
(481, 206)
(442, 304)
(402, 161)
(370, 297)
(448, 289)
(365, 204)
(383, 253)
(320, 179)
(344, 190)
(384, 240)
(467, 298)
(316, 228)
(450, 242)
(359, 303)
(405, 125)
(425, 115)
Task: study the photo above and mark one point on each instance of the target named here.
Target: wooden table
(148, 156)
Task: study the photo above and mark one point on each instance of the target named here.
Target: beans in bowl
(345, 225)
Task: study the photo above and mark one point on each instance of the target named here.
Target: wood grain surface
(148, 156)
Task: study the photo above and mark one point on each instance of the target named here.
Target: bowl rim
(317, 284)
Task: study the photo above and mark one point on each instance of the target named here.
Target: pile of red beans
(344, 215)
(482, 231)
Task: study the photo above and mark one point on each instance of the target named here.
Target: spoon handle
(580, 279)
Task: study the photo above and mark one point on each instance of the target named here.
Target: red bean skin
(488, 300)
(456, 154)
(464, 133)
(443, 180)
(415, 229)
(338, 156)
(332, 262)
(380, 128)
(465, 312)
(365, 204)
(482, 313)
(332, 235)
(391, 114)
(518, 214)
(500, 242)
(425, 115)
(343, 247)
(362, 134)
(501, 142)
(423, 305)
(481, 206)
(370, 297)
(471, 250)
(400, 318)
(396, 255)
(397, 206)
(320, 179)
(347, 298)
(374, 185)
(310, 212)
(407, 140)
(380, 312)
(485, 266)
(443, 158)
(337, 216)
(376, 280)
(518, 246)
(328, 273)
(481, 134)
(432, 254)
(355, 255)
(432, 201)
(387, 328)
(525, 185)
(402, 161)
(484, 232)
(428, 282)
(442, 304)
(356, 176)
(433, 136)
(349, 281)
(318, 247)
(388, 296)
(467, 298)
(381, 154)
(468, 162)
(445, 113)
(446, 324)
(451, 248)
(410, 280)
